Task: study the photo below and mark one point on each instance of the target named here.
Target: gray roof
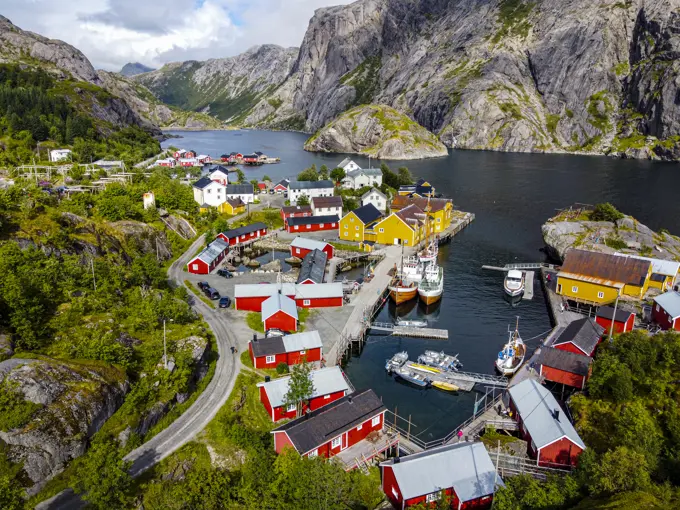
(213, 250)
(313, 220)
(567, 361)
(313, 267)
(310, 185)
(309, 244)
(670, 302)
(302, 341)
(369, 172)
(326, 381)
(240, 189)
(344, 163)
(246, 229)
(584, 333)
(466, 467)
(267, 346)
(607, 312)
(535, 405)
(277, 302)
(320, 290)
(374, 190)
(262, 290)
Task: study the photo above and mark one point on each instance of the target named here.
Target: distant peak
(135, 68)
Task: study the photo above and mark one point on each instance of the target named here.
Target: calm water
(511, 195)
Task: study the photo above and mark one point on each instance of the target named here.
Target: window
(209, 191)
(303, 352)
(291, 408)
(312, 454)
(574, 289)
(333, 225)
(326, 397)
(360, 426)
(381, 230)
(321, 225)
(195, 268)
(352, 220)
(297, 227)
(600, 295)
(309, 227)
(559, 288)
(356, 228)
(346, 227)
(270, 359)
(356, 235)
(657, 306)
(439, 220)
(394, 491)
(435, 496)
(375, 421)
(297, 250)
(336, 442)
(306, 302)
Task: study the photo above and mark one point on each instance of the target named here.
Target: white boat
(412, 377)
(411, 323)
(440, 360)
(429, 253)
(431, 288)
(514, 283)
(396, 361)
(511, 357)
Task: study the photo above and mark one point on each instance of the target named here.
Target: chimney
(556, 414)
(349, 399)
(254, 337)
(267, 378)
(396, 460)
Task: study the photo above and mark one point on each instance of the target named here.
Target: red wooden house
(242, 234)
(313, 268)
(262, 187)
(330, 384)
(339, 430)
(295, 211)
(190, 154)
(565, 367)
(623, 321)
(251, 159)
(289, 349)
(181, 153)
(666, 311)
(551, 438)
(581, 337)
(312, 223)
(321, 295)
(250, 297)
(460, 473)
(282, 187)
(189, 162)
(209, 258)
(279, 312)
(204, 158)
(301, 246)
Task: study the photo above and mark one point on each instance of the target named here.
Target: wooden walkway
(409, 331)
(529, 277)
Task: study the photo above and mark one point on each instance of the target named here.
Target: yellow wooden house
(664, 272)
(232, 206)
(357, 225)
(599, 278)
(402, 227)
(441, 210)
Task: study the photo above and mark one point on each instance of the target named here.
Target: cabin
(281, 186)
(279, 312)
(565, 367)
(462, 473)
(179, 154)
(441, 210)
(551, 438)
(204, 159)
(190, 154)
(340, 430)
(375, 197)
(362, 177)
(251, 159)
(262, 187)
(289, 349)
(321, 295)
(358, 225)
(243, 191)
(242, 234)
(301, 246)
(312, 223)
(327, 206)
(167, 162)
(209, 258)
(310, 189)
(189, 162)
(404, 227)
(232, 206)
(599, 278)
(580, 337)
(219, 173)
(664, 272)
(623, 319)
(209, 192)
(249, 297)
(313, 268)
(330, 384)
(666, 311)
(296, 211)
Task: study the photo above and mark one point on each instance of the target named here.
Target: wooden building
(327, 206)
(313, 268)
(322, 295)
(289, 349)
(280, 312)
(241, 234)
(282, 186)
(295, 211)
(421, 188)
(462, 473)
(441, 210)
(358, 225)
(580, 337)
(565, 367)
(623, 319)
(209, 258)
(666, 311)
(664, 272)
(249, 297)
(310, 189)
(330, 384)
(232, 206)
(401, 227)
(312, 224)
(301, 246)
(550, 436)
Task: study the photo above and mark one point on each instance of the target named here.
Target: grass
(346, 247)
(191, 288)
(270, 216)
(491, 437)
(254, 321)
(512, 15)
(615, 243)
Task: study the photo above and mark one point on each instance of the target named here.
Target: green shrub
(281, 368)
(606, 212)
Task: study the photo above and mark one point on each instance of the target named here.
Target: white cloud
(114, 32)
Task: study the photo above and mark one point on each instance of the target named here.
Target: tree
(405, 176)
(619, 470)
(349, 203)
(337, 174)
(308, 174)
(265, 178)
(241, 177)
(103, 477)
(300, 387)
(389, 177)
(254, 182)
(606, 212)
(303, 200)
(323, 172)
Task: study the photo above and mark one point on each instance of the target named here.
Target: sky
(114, 32)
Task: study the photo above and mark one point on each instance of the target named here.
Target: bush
(606, 212)
(281, 368)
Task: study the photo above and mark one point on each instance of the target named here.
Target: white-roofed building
(357, 179)
(301, 246)
(279, 312)
(251, 296)
(310, 189)
(666, 311)
(348, 165)
(323, 295)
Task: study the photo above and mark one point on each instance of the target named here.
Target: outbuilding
(279, 312)
(666, 311)
(330, 384)
(249, 297)
(551, 438)
(623, 319)
(289, 349)
(565, 367)
(301, 246)
(312, 224)
(295, 211)
(580, 337)
(282, 186)
(209, 258)
(243, 191)
(462, 473)
(327, 206)
(313, 268)
(322, 295)
(245, 233)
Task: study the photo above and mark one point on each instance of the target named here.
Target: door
(396, 240)
(344, 441)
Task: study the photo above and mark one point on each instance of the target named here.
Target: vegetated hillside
(225, 87)
(134, 68)
(514, 75)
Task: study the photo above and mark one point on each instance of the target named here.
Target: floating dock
(411, 331)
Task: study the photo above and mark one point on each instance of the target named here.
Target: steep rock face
(73, 402)
(379, 131)
(548, 76)
(135, 68)
(225, 87)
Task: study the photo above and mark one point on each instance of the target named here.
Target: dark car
(225, 302)
(224, 273)
(203, 285)
(212, 293)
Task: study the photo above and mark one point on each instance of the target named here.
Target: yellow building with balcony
(358, 225)
(441, 210)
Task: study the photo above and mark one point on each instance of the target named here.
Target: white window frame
(309, 227)
(297, 227)
(313, 454)
(361, 425)
(326, 397)
(195, 268)
(270, 359)
(356, 228)
(346, 226)
(321, 225)
(574, 289)
(291, 407)
(433, 497)
(306, 302)
(303, 352)
(375, 421)
(600, 295)
(336, 442)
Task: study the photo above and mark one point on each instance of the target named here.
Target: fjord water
(511, 196)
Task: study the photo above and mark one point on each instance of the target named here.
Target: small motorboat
(396, 361)
(412, 377)
(411, 323)
(511, 357)
(425, 368)
(442, 361)
(514, 283)
(445, 386)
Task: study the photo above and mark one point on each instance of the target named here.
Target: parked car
(224, 273)
(203, 285)
(212, 293)
(225, 302)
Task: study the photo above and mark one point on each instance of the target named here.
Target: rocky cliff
(514, 75)
(224, 87)
(378, 131)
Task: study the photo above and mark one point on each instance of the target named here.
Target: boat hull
(402, 294)
(444, 386)
(429, 298)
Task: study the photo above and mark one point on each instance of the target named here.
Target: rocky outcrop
(378, 131)
(135, 68)
(71, 402)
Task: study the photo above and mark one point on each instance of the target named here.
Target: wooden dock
(410, 331)
(466, 381)
(528, 285)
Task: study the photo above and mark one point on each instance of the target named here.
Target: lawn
(254, 321)
(270, 216)
(347, 247)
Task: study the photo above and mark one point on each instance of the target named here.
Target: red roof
(261, 185)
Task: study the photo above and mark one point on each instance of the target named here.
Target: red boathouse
(280, 312)
(289, 349)
(321, 295)
(462, 473)
(313, 268)
(242, 234)
(209, 258)
(301, 246)
(624, 320)
(666, 311)
(312, 223)
(250, 296)
(580, 337)
(565, 367)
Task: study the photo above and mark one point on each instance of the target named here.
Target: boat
(445, 386)
(412, 377)
(441, 360)
(431, 288)
(514, 283)
(402, 291)
(411, 323)
(429, 253)
(396, 361)
(425, 368)
(511, 357)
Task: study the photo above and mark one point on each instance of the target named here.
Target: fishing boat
(411, 323)
(429, 253)
(396, 361)
(404, 286)
(431, 288)
(412, 377)
(511, 357)
(442, 361)
(445, 386)
(514, 283)
(402, 291)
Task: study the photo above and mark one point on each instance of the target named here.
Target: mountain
(543, 76)
(134, 68)
(227, 87)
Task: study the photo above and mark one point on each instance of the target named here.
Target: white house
(207, 192)
(109, 165)
(60, 155)
(375, 197)
(219, 174)
(242, 191)
(326, 206)
(357, 179)
(310, 189)
(348, 165)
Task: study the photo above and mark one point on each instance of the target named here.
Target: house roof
(321, 290)
(369, 172)
(412, 215)
(262, 185)
(267, 346)
(247, 229)
(320, 426)
(367, 214)
(302, 341)
(298, 185)
(243, 290)
(308, 244)
(466, 467)
(235, 202)
(212, 251)
(325, 380)
(326, 202)
(536, 406)
(374, 190)
(290, 209)
(584, 333)
(659, 266)
(279, 303)
(344, 163)
(313, 267)
(203, 182)
(670, 302)
(436, 204)
(607, 312)
(313, 220)
(564, 360)
(283, 182)
(626, 270)
(216, 168)
(240, 189)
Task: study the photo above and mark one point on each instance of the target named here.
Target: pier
(409, 331)
(466, 381)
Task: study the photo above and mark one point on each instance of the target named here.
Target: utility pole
(616, 305)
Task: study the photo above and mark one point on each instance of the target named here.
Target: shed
(313, 268)
(565, 367)
(580, 337)
(623, 319)
(312, 223)
(289, 349)
(322, 295)
(282, 186)
(295, 211)
(666, 311)
(246, 233)
(301, 246)
(209, 258)
(279, 312)
(250, 297)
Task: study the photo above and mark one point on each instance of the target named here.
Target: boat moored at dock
(396, 361)
(513, 284)
(511, 357)
(412, 377)
(411, 323)
(440, 360)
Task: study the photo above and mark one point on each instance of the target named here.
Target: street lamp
(165, 346)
